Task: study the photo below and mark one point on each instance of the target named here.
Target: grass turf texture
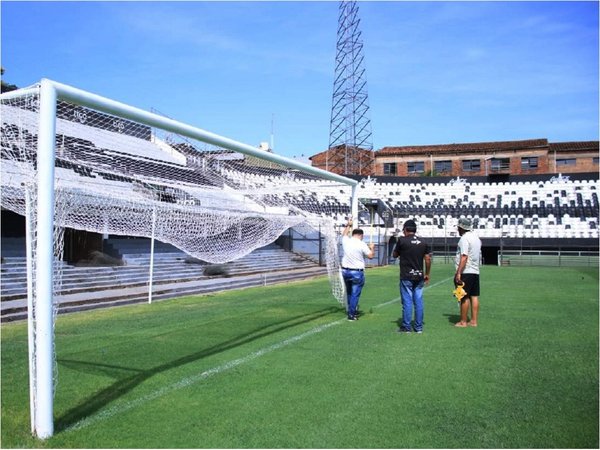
(289, 371)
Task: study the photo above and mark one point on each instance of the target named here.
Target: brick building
(525, 157)
(345, 160)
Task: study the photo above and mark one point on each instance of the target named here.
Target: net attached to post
(122, 177)
(113, 175)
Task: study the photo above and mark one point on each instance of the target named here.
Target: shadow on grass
(453, 318)
(129, 377)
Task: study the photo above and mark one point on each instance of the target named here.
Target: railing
(310, 246)
(548, 258)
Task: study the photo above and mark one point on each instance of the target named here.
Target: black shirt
(411, 250)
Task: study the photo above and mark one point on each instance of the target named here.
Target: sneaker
(352, 318)
(419, 331)
(402, 330)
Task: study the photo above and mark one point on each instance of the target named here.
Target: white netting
(114, 176)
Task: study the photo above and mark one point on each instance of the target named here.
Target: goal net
(97, 165)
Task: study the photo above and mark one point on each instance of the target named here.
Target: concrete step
(111, 274)
(82, 287)
(81, 301)
(84, 283)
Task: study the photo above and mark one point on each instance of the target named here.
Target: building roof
(464, 148)
(475, 147)
(574, 146)
(339, 149)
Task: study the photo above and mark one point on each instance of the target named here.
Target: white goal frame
(50, 92)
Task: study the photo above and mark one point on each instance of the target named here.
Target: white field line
(185, 382)
(117, 409)
(397, 299)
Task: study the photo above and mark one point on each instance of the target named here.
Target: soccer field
(280, 367)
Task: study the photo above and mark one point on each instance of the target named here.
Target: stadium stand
(174, 275)
(535, 211)
(549, 210)
(556, 208)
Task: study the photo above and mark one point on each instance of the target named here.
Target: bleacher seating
(88, 287)
(555, 208)
(548, 209)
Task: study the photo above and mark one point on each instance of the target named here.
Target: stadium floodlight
(73, 159)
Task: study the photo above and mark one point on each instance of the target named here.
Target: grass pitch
(280, 367)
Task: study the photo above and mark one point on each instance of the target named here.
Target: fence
(548, 258)
(311, 243)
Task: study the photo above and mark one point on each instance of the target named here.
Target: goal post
(206, 218)
(44, 333)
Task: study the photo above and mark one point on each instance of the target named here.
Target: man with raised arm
(353, 266)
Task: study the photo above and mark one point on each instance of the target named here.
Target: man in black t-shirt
(412, 251)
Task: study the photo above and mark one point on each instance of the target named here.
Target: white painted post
(30, 323)
(355, 202)
(44, 334)
(151, 277)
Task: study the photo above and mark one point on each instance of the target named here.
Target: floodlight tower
(350, 139)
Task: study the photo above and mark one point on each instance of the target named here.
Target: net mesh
(114, 176)
(119, 177)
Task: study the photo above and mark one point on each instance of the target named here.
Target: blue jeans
(412, 294)
(355, 280)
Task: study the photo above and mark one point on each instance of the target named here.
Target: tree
(430, 173)
(6, 87)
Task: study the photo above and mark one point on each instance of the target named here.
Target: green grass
(527, 377)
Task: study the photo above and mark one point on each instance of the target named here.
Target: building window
(595, 160)
(416, 167)
(497, 164)
(566, 161)
(471, 165)
(529, 163)
(389, 168)
(442, 166)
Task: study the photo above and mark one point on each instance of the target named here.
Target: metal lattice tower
(350, 138)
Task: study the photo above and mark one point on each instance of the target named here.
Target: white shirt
(355, 251)
(470, 245)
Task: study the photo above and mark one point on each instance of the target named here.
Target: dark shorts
(471, 286)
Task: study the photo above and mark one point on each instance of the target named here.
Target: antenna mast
(350, 138)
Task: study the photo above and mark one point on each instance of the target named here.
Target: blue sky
(437, 72)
